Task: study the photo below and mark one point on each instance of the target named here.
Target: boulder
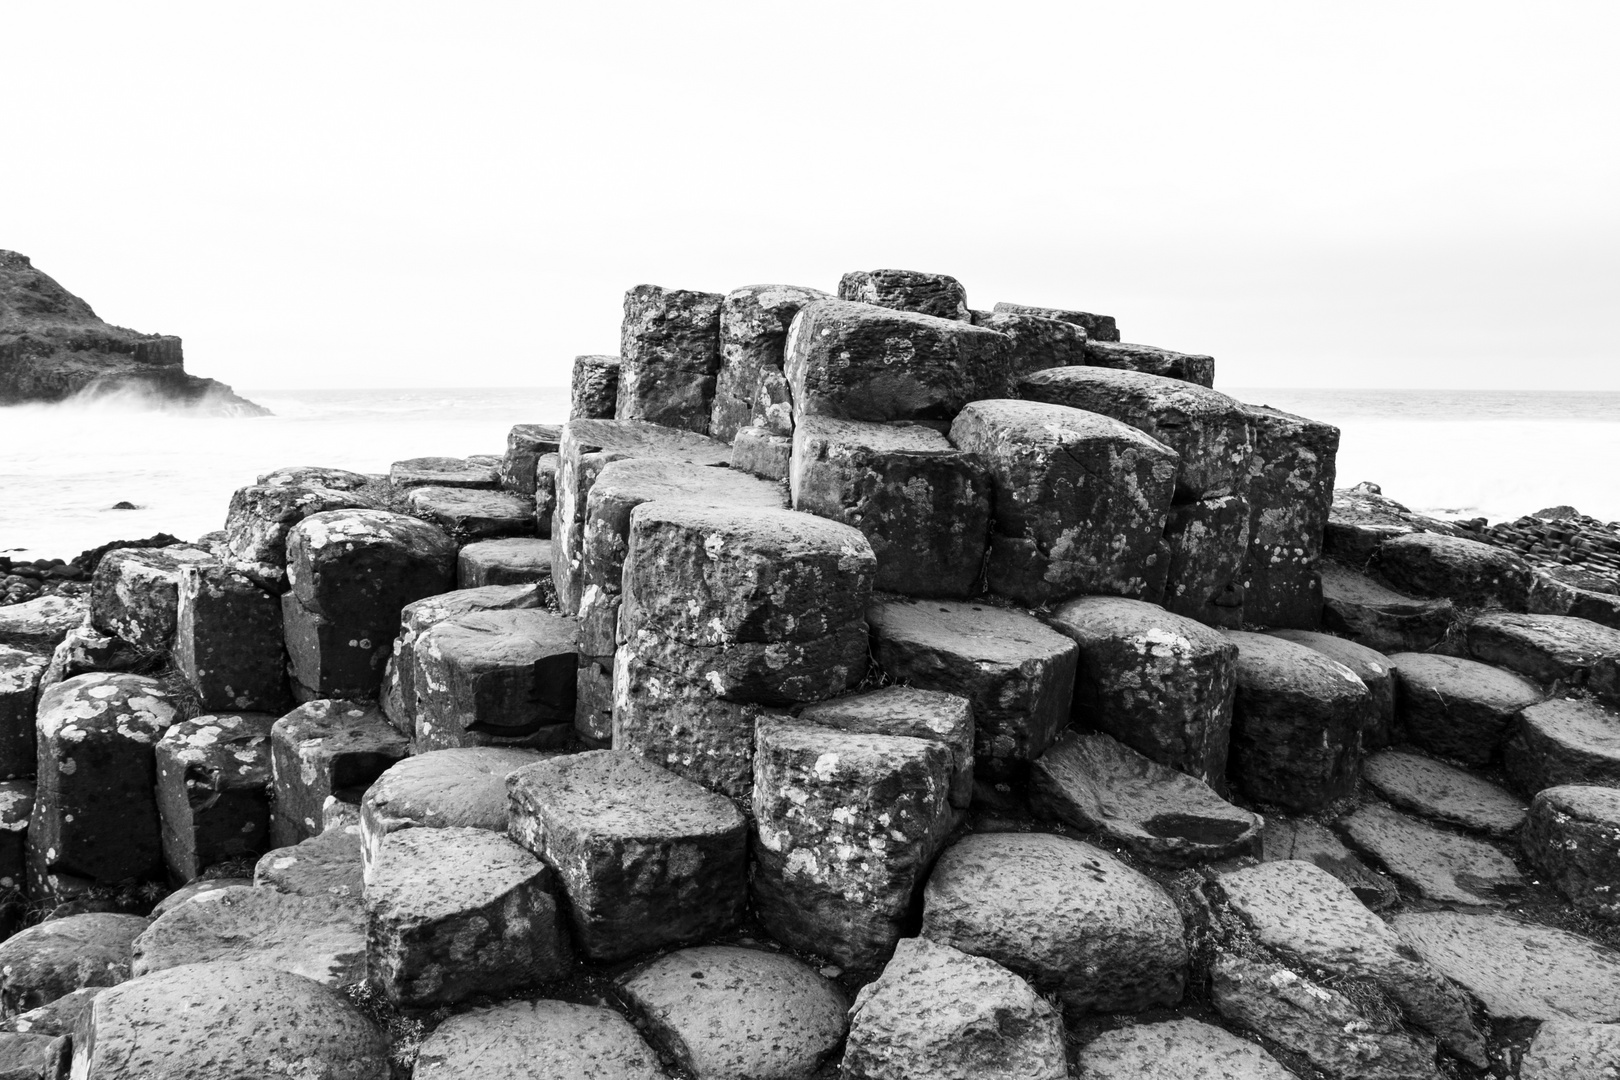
(1371, 614)
(1319, 1023)
(315, 476)
(858, 361)
(213, 790)
(1018, 674)
(1457, 708)
(16, 807)
(1564, 741)
(1209, 547)
(208, 1022)
(526, 444)
(1372, 667)
(1286, 838)
(328, 865)
(846, 825)
(228, 641)
(515, 560)
(1442, 792)
(1437, 865)
(475, 513)
(441, 789)
(1211, 432)
(135, 592)
(754, 325)
(1572, 1050)
(1097, 327)
(670, 344)
(54, 1018)
(320, 938)
(923, 504)
(1520, 971)
(496, 678)
(1065, 914)
(1363, 517)
(1290, 492)
(911, 712)
(443, 472)
(20, 675)
(1297, 720)
(1550, 648)
(457, 911)
(327, 747)
(1573, 837)
(1038, 343)
(86, 649)
(939, 295)
(723, 1011)
(190, 891)
(646, 859)
(1151, 360)
(594, 391)
(1185, 1048)
(1160, 683)
(358, 568)
(1096, 783)
(95, 814)
(536, 1040)
(56, 957)
(1464, 571)
(940, 1013)
(1080, 500)
(40, 625)
(767, 456)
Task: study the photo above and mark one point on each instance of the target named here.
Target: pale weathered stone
(907, 710)
(1467, 572)
(328, 865)
(1290, 493)
(1572, 1050)
(1443, 792)
(1564, 741)
(1573, 837)
(213, 790)
(1286, 838)
(55, 958)
(496, 678)
(516, 560)
(443, 472)
(475, 513)
(193, 889)
(754, 325)
(320, 938)
(767, 456)
(327, 747)
(537, 1040)
(16, 807)
(39, 625)
(1185, 1048)
(135, 593)
(1437, 865)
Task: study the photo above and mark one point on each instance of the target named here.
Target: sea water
(63, 467)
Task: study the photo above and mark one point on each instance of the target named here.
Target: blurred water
(1471, 453)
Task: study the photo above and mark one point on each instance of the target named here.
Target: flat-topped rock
(326, 747)
(940, 1013)
(135, 594)
(315, 476)
(512, 560)
(1458, 708)
(646, 858)
(398, 697)
(762, 453)
(1160, 683)
(456, 911)
(20, 673)
(475, 513)
(909, 711)
(40, 624)
(1573, 837)
(1018, 674)
(1038, 343)
(939, 295)
(213, 790)
(1565, 590)
(1069, 915)
(1151, 360)
(208, 1022)
(1374, 615)
(1303, 839)
(1097, 327)
(1572, 1050)
(537, 1040)
(769, 673)
(1520, 971)
(359, 567)
(261, 515)
(1464, 571)
(723, 1011)
(1548, 648)
(55, 958)
(526, 444)
(1297, 720)
(1187, 1049)
(1364, 517)
(228, 641)
(1442, 792)
(923, 504)
(320, 938)
(328, 865)
(1210, 431)
(1094, 782)
(754, 322)
(443, 472)
(1372, 667)
(193, 889)
(670, 345)
(1080, 500)
(1564, 741)
(463, 787)
(59, 1017)
(1437, 865)
(1290, 493)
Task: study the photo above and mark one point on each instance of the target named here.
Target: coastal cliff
(53, 347)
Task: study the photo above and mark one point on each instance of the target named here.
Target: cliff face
(52, 346)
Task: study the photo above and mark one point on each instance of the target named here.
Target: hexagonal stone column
(594, 388)
(475, 513)
(326, 748)
(1080, 500)
(228, 641)
(54, 958)
(1467, 572)
(918, 714)
(1458, 708)
(1209, 550)
(754, 325)
(20, 673)
(1373, 668)
(1195, 368)
(95, 814)
(863, 362)
(456, 911)
(213, 790)
(939, 295)
(1573, 836)
(846, 827)
(1160, 683)
(1038, 343)
(526, 444)
(514, 560)
(16, 807)
(1551, 648)
(443, 472)
(135, 593)
(768, 456)
(540, 1038)
(923, 504)
(1290, 494)
(670, 344)
(261, 515)
(1069, 915)
(646, 858)
(1097, 327)
(1368, 613)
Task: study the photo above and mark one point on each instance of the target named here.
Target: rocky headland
(54, 347)
(858, 684)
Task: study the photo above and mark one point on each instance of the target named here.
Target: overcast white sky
(457, 194)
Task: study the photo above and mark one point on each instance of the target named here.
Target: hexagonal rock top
(1186, 1049)
(646, 858)
(399, 683)
(443, 472)
(326, 747)
(475, 513)
(320, 938)
(514, 560)
(1443, 792)
(1574, 651)
(536, 1040)
(359, 567)
(327, 865)
(723, 1011)
(941, 1013)
(213, 789)
(55, 958)
(1564, 741)
(1068, 914)
(906, 710)
(1467, 572)
(40, 624)
(208, 1022)
(135, 593)
(1458, 708)
(1436, 864)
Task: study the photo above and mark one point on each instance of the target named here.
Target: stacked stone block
(526, 444)
(594, 389)
(228, 641)
(1290, 494)
(754, 325)
(327, 748)
(670, 345)
(214, 783)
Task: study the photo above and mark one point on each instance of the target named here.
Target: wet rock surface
(1444, 793)
(1436, 864)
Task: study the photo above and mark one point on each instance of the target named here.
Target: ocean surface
(62, 467)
